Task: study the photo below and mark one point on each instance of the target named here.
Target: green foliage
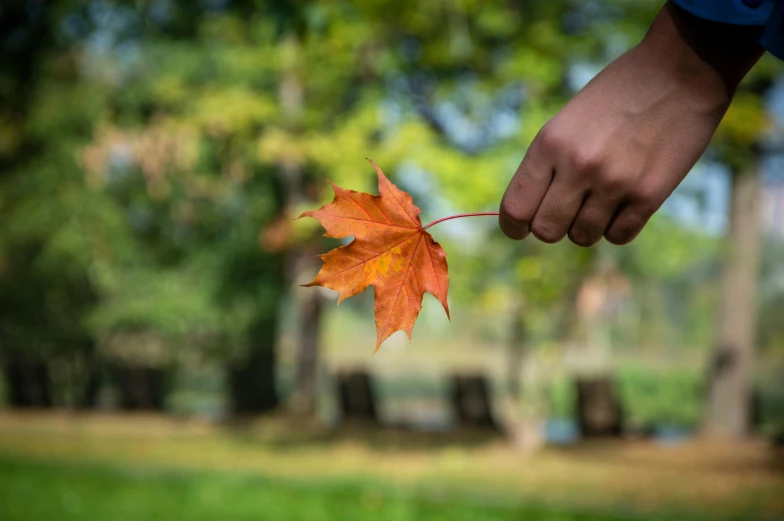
(650, 397)
(140, 178)
(53, 231)
(661, 397)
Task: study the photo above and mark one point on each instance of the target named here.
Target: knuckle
(546, 233)
(550, 139)
(644, 197)
(615, 182)
(644, 209)
(585, 162)
(513, 212)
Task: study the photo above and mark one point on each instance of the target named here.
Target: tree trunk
(310, 311)
(301, 261)
(87, 376)
(88, 398)
(599, 411)
(141, 388)
(472, 402)
(27, 381)
(252, 379)
(728, 411)
(356, 397)
(526, 408)
(516, 356)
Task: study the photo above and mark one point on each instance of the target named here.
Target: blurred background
(160, 361)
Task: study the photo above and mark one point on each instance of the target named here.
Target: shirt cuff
(768, 14)
(736, 12)
(772, 38)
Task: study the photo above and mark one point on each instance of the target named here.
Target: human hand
(610, 158)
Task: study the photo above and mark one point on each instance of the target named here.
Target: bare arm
(610, 158)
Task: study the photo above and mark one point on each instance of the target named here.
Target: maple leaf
(391, 251)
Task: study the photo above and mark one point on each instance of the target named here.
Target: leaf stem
(458, 216)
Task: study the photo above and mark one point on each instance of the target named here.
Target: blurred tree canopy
(153, 154)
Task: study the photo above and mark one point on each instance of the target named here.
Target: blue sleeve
(772, 38)
(767, 14)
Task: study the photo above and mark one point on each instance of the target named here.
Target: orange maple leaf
(391, 251)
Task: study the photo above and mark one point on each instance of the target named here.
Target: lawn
(93, 467)
(32, 491)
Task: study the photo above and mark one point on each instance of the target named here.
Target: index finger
(525, 193)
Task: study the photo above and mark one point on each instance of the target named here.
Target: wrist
(706, 59)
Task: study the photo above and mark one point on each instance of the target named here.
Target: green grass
(31, 490)
(93, 467)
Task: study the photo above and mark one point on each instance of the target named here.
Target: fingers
(525, 192)
(558, 209)
(631, 218)
(593, 219)
(584, 192)
(627, 224)
(641, 202)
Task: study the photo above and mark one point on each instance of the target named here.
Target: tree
(46, 289)
(731, 369)
(165, 181)
(739, 141)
